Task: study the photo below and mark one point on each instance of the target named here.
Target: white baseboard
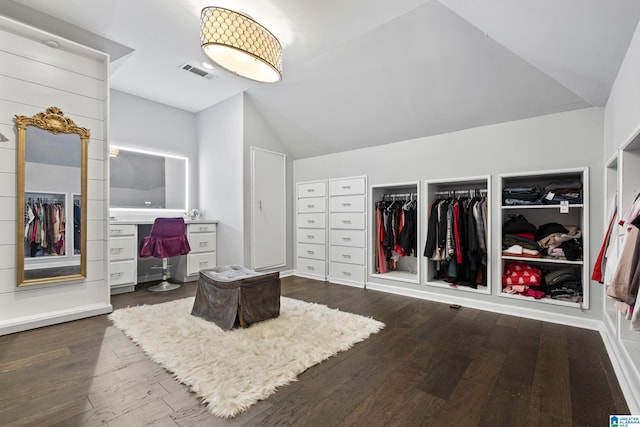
(626, 371)
(346, 283)
(46, 319)
(286, 273)
(464, 301)
(309, 276)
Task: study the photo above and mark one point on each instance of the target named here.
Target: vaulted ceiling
(365, 72)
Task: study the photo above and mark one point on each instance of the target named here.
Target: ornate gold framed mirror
(51, 199)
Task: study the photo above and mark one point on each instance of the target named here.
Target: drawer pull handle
(115, 275)
(346, 221)
(346, 273)
(346, 256)
(116, 231)
(310, 252)
(311, 221)
(204, 228)
(311, 190)
(117, 250)
(309, 267)
(309, 236)
(204, 244)
(346, 187)
(346, 204)
(204, 263)
(346, 239)
(311, 206)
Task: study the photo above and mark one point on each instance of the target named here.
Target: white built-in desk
(127, 268)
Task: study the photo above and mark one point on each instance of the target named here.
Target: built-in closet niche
(628, 170)
(456, 248)
(386, 261)
(544, 204)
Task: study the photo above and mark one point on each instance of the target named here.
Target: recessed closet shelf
(556, 207)
(443, 284)
(545, 300)
(545, 260)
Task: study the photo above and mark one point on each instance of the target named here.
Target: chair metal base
(163, 286)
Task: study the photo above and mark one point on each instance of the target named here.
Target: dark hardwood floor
(432, 365)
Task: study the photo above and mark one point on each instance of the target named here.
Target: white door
(268, 209)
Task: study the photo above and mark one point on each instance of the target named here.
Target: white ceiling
(362, 72)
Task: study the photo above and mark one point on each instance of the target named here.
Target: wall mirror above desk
(141, 180)
(51, 199)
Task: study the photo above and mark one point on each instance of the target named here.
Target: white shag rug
(232, 370)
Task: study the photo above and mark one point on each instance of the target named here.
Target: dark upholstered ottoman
(234, 295)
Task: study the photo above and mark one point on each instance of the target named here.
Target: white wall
(147, 125)
(622, 112)
(257, 133)
(34, 77)
(220, 165)
(566, 140)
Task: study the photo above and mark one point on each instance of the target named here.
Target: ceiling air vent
(198, 71)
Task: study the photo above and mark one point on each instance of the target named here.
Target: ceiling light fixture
(208, 65)
(240, 45)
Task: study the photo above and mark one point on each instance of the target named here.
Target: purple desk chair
(168, 238)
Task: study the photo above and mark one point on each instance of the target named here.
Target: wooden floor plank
(590, 375)
(551, 389)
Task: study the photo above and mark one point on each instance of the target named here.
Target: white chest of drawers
(311, 229)
(347, 230)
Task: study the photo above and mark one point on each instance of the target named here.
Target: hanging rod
(399, 196)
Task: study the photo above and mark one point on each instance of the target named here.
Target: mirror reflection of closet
(51, 198)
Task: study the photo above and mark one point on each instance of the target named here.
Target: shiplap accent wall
(74, 78)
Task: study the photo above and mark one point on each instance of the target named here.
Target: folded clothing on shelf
(564, 284)
(520, 273)
(559, 191)
(518, 224)
(521, 195)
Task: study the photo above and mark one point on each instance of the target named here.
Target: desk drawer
(122, 230)
(353, 238)
(342, 187)
(312, 235)
(312, 220)
(202, 242)
(312, 189)
(122, 273)
(353, 221)
(312, 205)
(200, 261)
(347, 203)
(121, 248)
(347, 255)
(201, 228)
(309, 250)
